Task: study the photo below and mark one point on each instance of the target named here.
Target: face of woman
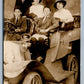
(36, 1)
(59, 5)
(46, 11)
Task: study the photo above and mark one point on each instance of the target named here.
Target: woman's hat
(62, 1)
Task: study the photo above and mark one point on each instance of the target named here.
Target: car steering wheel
(10, 27)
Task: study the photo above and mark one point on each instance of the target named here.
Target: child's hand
(47, 30)
(39, 58)
(44, 30)
(17, 30)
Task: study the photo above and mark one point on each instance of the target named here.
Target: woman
(66, 18)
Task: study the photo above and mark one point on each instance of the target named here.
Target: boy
(20, 23)
(39, 40)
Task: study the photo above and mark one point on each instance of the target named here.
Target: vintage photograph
(41, 41)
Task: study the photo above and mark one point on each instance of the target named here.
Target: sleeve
(56, 15)
(38, 23)
(11, 20)
(69, 17)
(30, 26)
(37, 27)
(24, 25)
(55, 23)
(47, 24)
(30, 10)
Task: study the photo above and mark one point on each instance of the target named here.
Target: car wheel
(72, 65)
(32, 78)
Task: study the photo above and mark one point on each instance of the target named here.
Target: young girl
(66, 18)
(36, 9)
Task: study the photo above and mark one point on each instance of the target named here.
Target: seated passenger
(39, 39)
(20, 25)
(45, 24)
(66, 18)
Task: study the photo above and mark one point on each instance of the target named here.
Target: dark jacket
(21, 24)
(49, 22)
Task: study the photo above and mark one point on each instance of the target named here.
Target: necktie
(44, 19)
(16, 20)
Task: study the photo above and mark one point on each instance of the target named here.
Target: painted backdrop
(72, 5)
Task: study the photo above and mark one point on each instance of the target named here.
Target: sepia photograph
(41, 41)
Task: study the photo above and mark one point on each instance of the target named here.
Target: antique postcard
(41, 42)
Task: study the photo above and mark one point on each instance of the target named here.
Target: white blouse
(64, 15)
(37, 10)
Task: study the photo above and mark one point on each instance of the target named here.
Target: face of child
(46, 11)
(59, 5)
(36, 1)
(17, 13)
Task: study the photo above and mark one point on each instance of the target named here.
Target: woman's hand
(63, 24)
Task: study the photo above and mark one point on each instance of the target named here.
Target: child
(40, 39)
(36, 9)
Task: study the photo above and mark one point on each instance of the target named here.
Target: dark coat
(49, 22)
(22, 25)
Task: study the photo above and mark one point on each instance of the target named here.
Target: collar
(47, 15)
(17, 18)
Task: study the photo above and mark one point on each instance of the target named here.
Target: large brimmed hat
(62, 1)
